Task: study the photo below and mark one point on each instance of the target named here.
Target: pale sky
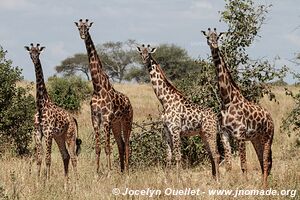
(51, 23)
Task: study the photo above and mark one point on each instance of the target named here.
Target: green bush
(17, 109)
(69, 92)
(148, 147)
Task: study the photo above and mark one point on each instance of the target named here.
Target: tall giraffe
(243, 119)
(108, 106)
(180, 116)
(52, 122)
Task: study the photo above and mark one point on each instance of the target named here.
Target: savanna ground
(18, 176)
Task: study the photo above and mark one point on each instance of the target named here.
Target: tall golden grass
(18, 178)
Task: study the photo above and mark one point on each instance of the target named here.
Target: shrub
(17, 109)
(69, 92)
(147, 145)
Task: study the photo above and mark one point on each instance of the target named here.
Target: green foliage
(17, 110)
(69, 92)
(78, 63)
(148, 147)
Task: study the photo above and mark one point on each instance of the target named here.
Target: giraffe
(108, 106)
(180, 116)
(244, 120)
(52, 122)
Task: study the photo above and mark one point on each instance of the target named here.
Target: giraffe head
(146, 53)
(212, 37)
(83, 27)
(34, 52)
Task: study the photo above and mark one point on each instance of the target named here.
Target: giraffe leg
(107, 127)
(116, 129)
(39, 150)
(96, 122)
(65, 156)
(126, 132)
(211, 148)
(259, 152)
(267, 157)
(169, 143)
(175, 134)
(227, 150)
(242, 151)
(72, 151)
(48, 155)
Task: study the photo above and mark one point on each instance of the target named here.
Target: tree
(244, 20)
(17, 108)
(117, 57)
(173, 59)
(77, 63)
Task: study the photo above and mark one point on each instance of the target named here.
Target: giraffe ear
(139, 49)
(204, 33)
(27, 48)
(153, 50)
(42, 48)
(76, 23)
(91, 24)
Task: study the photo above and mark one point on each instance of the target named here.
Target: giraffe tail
(78, 141)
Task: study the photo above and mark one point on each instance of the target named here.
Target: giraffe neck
(227, 87)
(163, 88)
(41, 91)
(99, 77)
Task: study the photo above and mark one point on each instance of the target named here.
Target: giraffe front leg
(169, 144)
(175, 134)
(39, 150)
(242, 151)
(48, 155)
(107, 126)
(227, 150)
(96, 123)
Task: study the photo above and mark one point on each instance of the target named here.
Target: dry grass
(17, 182)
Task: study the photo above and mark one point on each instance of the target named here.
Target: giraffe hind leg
(267, 159)
(211, 147)
(259, 152)
(61, 143)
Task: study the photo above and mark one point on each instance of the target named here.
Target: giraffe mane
(228, 72)
(168, 82)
